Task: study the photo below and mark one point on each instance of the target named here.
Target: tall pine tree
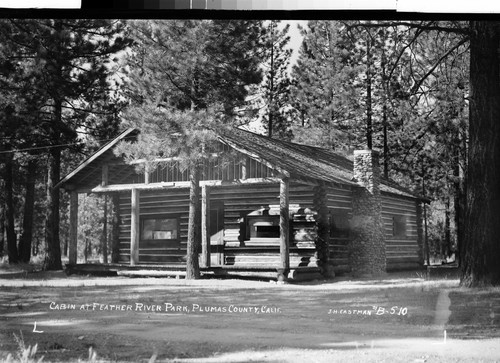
(186, 76)
(275, 89)
(69, 72)
(323, 93)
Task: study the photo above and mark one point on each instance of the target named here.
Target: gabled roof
(105, 152)
(303, 160)
(299, 161)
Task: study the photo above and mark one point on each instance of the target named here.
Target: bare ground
(401, 318)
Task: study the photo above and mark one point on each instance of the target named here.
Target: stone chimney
(367, 250)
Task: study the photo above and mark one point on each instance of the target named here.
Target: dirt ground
(395, 319)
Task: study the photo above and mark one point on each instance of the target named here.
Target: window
(399, 226)
(159, 229)
(263, 227)
(339, 225)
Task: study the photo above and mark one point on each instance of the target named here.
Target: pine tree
(481, 250)
(323, 93)
(186, 75)
(275, 91)
(193, 64)
(182, 134)
(68, 62)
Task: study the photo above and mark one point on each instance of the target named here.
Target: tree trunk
(447, 229)
(271, 88)
(385, 97)
(386, 141)
(369, 110)
(29, 204)
(9, 211)
(192, 263)
(481, 257)
(2, 230)
(459, 198)
(53, 251)
(426, 235)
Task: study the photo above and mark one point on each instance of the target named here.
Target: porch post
(205, 226)
(73, 227)
(284, 229)
(134, 228)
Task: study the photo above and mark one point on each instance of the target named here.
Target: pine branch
(429, 26)
(415, 87)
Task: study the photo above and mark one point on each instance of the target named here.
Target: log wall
(339, 203)
(403, 251)
(238, 201)
(175, 203)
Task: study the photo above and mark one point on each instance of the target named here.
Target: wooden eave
(93, 164)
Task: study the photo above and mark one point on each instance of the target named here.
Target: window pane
(161, 228)
(399, 226)
(339, 225)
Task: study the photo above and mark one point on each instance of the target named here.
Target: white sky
(438, 6)
(60, 4)
(295, 38)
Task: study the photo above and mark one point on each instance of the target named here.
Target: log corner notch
(284, 229)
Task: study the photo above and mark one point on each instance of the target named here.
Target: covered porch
(222, 254)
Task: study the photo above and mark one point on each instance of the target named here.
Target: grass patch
(24, 354)
(475, 313)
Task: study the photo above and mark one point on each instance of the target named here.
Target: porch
(179, 271)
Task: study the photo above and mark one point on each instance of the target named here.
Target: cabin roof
(301, 162)
(90, 168)
(304, 160)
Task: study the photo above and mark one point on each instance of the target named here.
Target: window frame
(248, 226)
(345, 233)
(156, 217)
(399, 226)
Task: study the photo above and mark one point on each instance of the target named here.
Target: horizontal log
(180, 185)
(338, 191)
(398, 211)
(262, 250)
(299, 244)
(404, 266)
(388, 196)
(166, 244)
(340, 200)
(399, 240)
(277, 263)
(393, 260)
(340, 209)
(160, 258)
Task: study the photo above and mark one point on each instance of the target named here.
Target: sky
(295, 38)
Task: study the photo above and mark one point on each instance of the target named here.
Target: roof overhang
(95, 157)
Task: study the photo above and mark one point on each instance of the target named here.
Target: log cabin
(278, 206)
